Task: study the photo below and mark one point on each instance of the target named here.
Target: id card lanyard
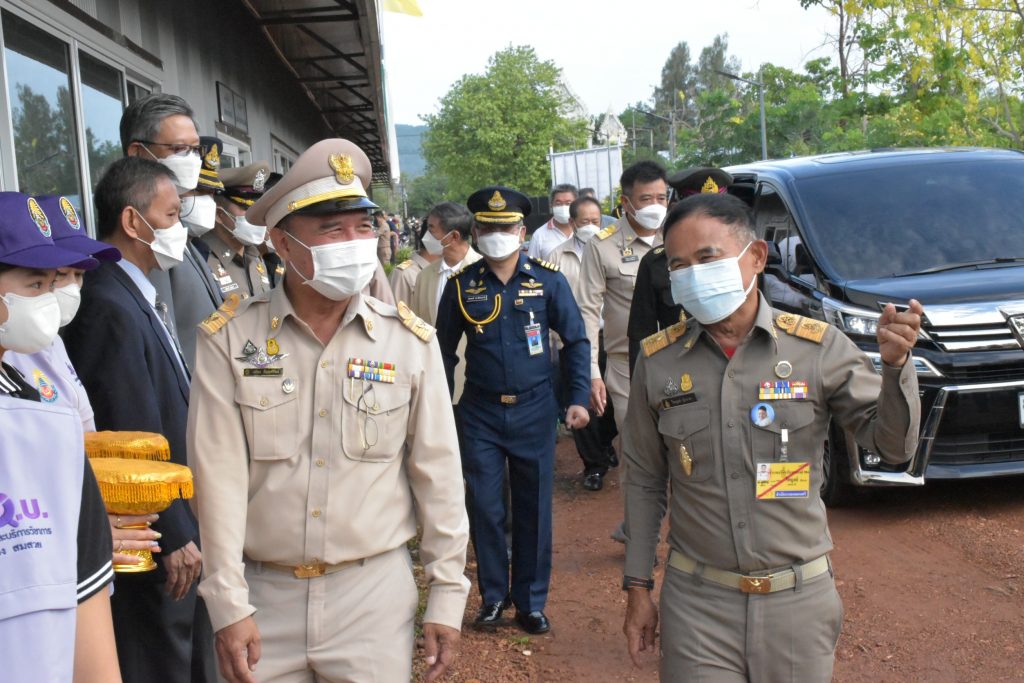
(784, 453)
(533, 339)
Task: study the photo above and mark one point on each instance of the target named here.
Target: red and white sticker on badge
(781, 480)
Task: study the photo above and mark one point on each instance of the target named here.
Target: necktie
(165, 318)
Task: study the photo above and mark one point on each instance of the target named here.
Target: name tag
(531, 292)
(680, 400)
(630, 259)
(262, 372)
(476, 298)
(781, 480)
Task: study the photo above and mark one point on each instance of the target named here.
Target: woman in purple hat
(56, 611)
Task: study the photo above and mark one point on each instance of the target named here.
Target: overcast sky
(610, 53)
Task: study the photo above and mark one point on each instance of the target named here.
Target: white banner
(597, 167)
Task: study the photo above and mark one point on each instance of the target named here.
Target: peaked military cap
(245, 184)
(498, 204)
(329, 177)
(699, 180)
(210, 149)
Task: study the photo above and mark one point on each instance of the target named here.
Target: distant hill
(410, 157)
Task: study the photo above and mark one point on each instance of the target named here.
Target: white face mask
(585, 232)
(168, 244)
(340, 269)
(711, 292)
(561, 213)
(649, 217)
(433, 245)
(186, 169)
(246, 232)
(69, 298)
(199, 214)
(32, 322)
(498, 245)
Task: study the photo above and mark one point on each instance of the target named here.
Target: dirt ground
(931, 580)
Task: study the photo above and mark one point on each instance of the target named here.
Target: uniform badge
(70, 215)
(38, 217)
(260, 181)
(782, 390)
(275, 322)
(288, 386)
(762, 415)
(249, 349)
(372, 370)
(670, 388)
(496, 202)
(783, 369)
(272, 348)
(686, 382)
(341, 164)
(47, 392)
(261, 361)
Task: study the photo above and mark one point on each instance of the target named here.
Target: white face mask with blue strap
(711, 292)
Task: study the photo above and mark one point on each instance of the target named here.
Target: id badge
(781, 480)
(533, 340)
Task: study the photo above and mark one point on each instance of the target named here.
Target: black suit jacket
(132, 376)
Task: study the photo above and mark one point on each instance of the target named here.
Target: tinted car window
(902, 219)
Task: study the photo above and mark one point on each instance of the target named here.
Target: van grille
(983, 337)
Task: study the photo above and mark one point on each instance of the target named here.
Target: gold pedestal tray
(140, 487)
(131, 445)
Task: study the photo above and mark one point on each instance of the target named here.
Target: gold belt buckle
(509, 399)
(756, 584)
(310, 571)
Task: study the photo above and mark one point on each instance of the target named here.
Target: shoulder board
(219, 318)
(460, 271)
(658, 250)
(660, 340)
(545, 264)
(607, 232)
(414, 323)
(799, 326)
(404, 264)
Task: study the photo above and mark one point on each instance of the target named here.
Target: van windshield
(903, 219)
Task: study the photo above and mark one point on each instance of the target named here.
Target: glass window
(906, 218)
(102, 105)
(136, 92)
(42, 112)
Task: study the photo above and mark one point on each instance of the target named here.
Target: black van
(854, 231)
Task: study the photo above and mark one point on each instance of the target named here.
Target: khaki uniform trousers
(616, 384)
(714, 634)
(355, 625)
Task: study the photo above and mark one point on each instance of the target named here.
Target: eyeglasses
(368, 432)
(177, 148)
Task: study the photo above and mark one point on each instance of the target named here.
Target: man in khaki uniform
(320, 435)
(728, 413)
(403, 277)
(234, 256)
(607, 279)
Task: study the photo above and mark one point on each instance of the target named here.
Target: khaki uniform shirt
(568, 256)
(607, 278)
(424, 304)
(244, 274)
(291, 468)
(689, 395)
(403, 277)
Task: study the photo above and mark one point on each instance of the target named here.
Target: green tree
(497, 127)
(427, 190)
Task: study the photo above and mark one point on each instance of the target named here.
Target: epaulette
(414, 323)
(799, 326)
(545, 264)
(660, 340)
(404, 264)
(658, 250)
(220, 317)
(461, 270)
(607, 232)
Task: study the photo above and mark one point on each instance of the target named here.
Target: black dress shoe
(489, 615)
(533, 623)
(593, 481)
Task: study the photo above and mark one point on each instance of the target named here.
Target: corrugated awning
(333, 47)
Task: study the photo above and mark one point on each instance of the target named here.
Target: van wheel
(837, 490)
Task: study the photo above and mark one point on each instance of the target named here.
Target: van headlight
(850, 319)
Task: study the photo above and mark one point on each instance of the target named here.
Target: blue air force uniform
(508, 409)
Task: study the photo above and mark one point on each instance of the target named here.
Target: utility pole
(760, 89)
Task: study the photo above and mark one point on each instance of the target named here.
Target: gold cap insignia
(496, 202)
(38, 217)
(212, 158)
(341, 164)
(709, 186)
(260, 181)
(69, 212)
